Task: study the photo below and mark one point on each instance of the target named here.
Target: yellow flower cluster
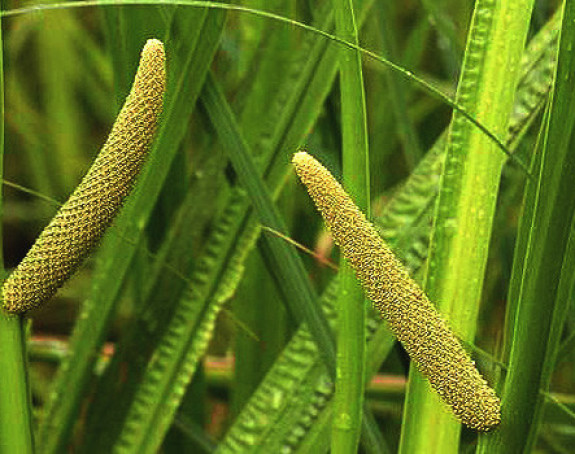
(410, 315)
(80, 223)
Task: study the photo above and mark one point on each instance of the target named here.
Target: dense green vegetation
(216, 315)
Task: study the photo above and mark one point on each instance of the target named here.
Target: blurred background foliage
(66, 74)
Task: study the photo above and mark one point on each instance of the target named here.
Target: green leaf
(351, 329)
(543, 270)
(182, 346)
(466, 204)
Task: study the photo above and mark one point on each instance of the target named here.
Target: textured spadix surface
(425, 336)
(81, 221)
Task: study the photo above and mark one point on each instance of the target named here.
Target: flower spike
(82, 220)
(410, 315)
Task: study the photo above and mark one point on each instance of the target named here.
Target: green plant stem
(543, 268)
(466, 204)
(15, 405)
(351, 335)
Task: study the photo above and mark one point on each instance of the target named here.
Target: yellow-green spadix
(412, 318)
(81, 221)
